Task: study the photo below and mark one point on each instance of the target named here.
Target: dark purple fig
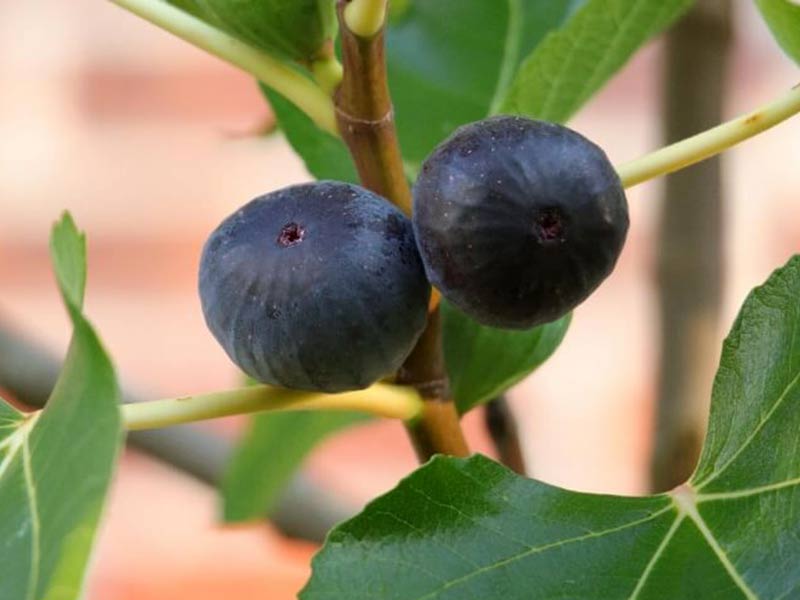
(315, 287)
(518, 221)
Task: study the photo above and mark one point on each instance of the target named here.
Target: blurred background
(150, 143)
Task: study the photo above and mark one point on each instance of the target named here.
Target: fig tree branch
(288, 82)
(365, 115)
(366, 123)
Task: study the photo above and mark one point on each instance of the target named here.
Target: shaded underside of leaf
(273, 448)
(482, 362)
(469, 528)
(55, 467)
(291, 29)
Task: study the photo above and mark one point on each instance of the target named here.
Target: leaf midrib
(538, 549)
(18, 447)
(687, 505)
(510, 56)
(33, 506)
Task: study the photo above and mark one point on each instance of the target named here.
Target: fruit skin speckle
(518, 221)
(315, 287)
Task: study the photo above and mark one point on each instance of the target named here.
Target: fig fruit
(315, 287)
(518, 221)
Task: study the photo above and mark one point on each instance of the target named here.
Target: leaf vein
(510, 56)
(538, 549)
(748, 492)
(687, 507)
(656, 555)
(716, 474)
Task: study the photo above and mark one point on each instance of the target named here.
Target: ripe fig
(518, 221)
(315, 287)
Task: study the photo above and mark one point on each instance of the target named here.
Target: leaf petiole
(381, 399)
(710, 142)
(285, 80)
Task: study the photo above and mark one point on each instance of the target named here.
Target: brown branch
(690, 245)
(438, 429)
(502, 427)
(366, 122)
(365, 116)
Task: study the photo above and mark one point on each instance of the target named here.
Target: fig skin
(315, 287)
(518, 221)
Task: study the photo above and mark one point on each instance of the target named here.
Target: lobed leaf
(469, 528)
(56, 465)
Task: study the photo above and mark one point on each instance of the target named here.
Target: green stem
(390, 401)
(288, 82)
(710, 142)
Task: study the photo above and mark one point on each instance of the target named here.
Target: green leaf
(195, 8)
(451, 61)
(482, 361)
(68, 253)
(469, 528)
(292, 29)
(571, 64)
(325, 156)
(271, 451)
(783, 18)
(56, 465)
